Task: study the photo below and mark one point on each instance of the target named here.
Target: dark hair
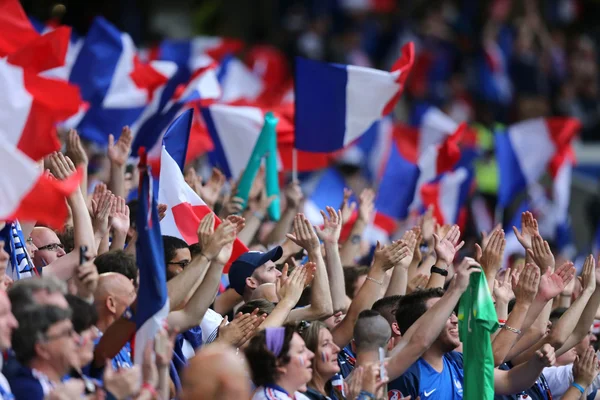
(556, 314)
(263, 363)
(264, 307)
(117, 261)
(413, 306)
(351, 275)
(195, 249)
(171, 245)
(22, 292)
(34, 322)
(67, 238)
(371, 331)
(133, 206)
(83, 314)
(387, 307)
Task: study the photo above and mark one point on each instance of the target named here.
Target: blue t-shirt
(121, 360)
(27, 384)
(421, 380)
(539, 391)
(346, 360)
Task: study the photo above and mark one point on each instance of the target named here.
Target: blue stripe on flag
(217, 156)
(512, 181)
(320, 95)
(398, 184)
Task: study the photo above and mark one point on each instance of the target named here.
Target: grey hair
(22, 292)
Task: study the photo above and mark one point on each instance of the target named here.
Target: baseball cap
(245, 265)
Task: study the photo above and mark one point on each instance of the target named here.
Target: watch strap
(436, 270)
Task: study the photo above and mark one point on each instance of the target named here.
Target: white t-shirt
(210, 326)
(560, 379)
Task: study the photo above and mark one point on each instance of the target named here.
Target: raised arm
(120, 223)
(426, 329)
(118, 153)
(446, 248)
(523, 376)
(77, 154)
(351, 248)
(525, 292)
(330, 235)
(491, 256)
(320, 302)
(385, 258)
(399, 280)
(293, 196)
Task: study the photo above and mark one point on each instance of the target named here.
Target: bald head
(48, 245)
(265, 291)
(371, 331)
(216, 372)
(114, 294)
(111, 284)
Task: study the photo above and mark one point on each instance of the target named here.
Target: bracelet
(578, 387)
(380, 283)
(502, 321)
(147, 386)
(510, 328)
(364, 395)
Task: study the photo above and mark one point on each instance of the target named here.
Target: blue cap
(245, 265)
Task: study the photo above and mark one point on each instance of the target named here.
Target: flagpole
(294, 165)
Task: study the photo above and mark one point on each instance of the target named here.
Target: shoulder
(455, 358)
(406, 385)
(210, 324)
(25, 385)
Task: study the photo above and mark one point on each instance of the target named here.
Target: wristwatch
(436, 270)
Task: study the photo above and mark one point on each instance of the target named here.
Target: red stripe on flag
(562, 130)
(449, 152)
(39, 136)
(43, 53)
(188, 217)
(147, 78)
(46, 201)
(385, 222)
(403, 65)
(15, 28)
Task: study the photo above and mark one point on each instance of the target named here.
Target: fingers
(478, 252)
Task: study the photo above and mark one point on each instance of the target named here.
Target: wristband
(578, 387)
(257, 214)
(501, 321)
(380, 283)
(436, 270)
(510, 328)
(147, 386)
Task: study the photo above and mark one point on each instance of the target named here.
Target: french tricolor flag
(238, 82)
(28, 193)
(30, 109)
(114, 81)
(525, 150)
(15, 29)
(152, 296)
(336, 104)
(185, 209)
(448, 195)
(326, 190)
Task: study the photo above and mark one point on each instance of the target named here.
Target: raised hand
(119, 215)
(447, 246)
(588, 275)
(366, 205)
(546, 356)
(428, 223)
(75, 150)
(86, 280)
(101, 213)
(240, 330)
(491, 255)
(408, 240)
(123, 383)
(417, 256)
(503, 292)
(293, 195)
(347, 207)
(463, 273)
(529, 282)
(211, 190)
(529, 228)
(304, 235)
(418, 282)
(485, 237)
(234, 205)
(162, 211)
(239, 222)
(386, 257)
(149, 370)
(296, 283)
(118, 152)
(332, 226)
(541, 253)
(586, 368)
(552, 284)
(163, 347)
(61, 166)
(372, 381)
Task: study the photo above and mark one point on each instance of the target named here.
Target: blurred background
(487, 62)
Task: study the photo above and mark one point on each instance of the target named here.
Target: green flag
(477, 320)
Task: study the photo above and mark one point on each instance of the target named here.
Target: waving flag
(29, 194)
(19, 264)
(238, 81)
(15, 29)
(448, 195)
(152, 298)
(327, 190)
(525, 150)
(114, 81)
(336, 104)
(185, 209)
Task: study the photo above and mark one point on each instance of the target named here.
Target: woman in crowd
(280, 362)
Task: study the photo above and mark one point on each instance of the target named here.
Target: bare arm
(293, 195)
(399, 279)
(523, 376)
(351, 248)
(428, 327)
(446, 248)
(118, 153)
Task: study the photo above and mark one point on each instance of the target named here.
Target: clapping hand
(447, 246)
(529, 228)
(332, 226)
(118, 152)
(304, 235)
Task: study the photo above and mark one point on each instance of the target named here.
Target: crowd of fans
(302, 316)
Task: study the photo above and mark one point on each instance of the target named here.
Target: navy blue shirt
(27, 384)
(346, 360)
(537, 392)
(420, 379)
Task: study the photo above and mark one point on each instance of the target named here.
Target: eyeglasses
(182, 264)
(67, 333)
(52, 247)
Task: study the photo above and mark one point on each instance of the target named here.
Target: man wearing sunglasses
(46, 345)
